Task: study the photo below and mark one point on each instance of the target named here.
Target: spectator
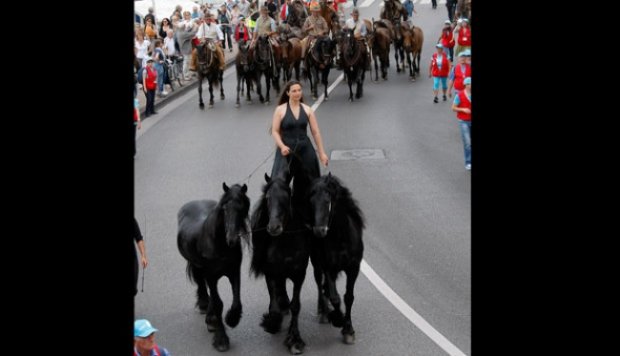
(160, 57)
(458, 73)
(447, 40)
(142, 46)
(195, 13)
(149, 85)
(408, 4)
(164, 27)
(439, 69)
(242, 32)
(150, 15)
(463, 37)
(170, 46)
(137, 125)
(451, 6)
(244, 8)
(225, 25)
(144, 340)
(149, 29)
(462, 107)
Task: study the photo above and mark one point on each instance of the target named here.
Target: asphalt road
(416, 201)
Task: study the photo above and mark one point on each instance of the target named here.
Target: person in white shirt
(169, 45)
(210, 31)
(359, 32)
(187, 23)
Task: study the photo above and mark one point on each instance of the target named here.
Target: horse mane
(217, 213)
(260, 237)
(345, 204)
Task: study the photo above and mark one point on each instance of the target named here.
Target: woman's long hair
(284, 96)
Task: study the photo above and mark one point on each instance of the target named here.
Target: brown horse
(416, 50)
(353, 62)
(379, 42)
(208, 66)
(331, 17)
(244, 63)
(291, 57)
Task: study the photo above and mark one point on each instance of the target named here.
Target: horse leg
(239, 87)
(283, 301)
(210, 94)
(259, 90)
(396, 59)
(335, 316)
(202, 295)
(220, 339)
(293, 340)
(233, 315)
(360, 84)
(374, 59)
(248, 82)
(348, 333)
(322, 302)
(272, 321)
(268, 79)
(201, 104)
(221, 79)
(350, 82)
(324, 80)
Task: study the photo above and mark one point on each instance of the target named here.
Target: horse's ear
(329, 174)
(267, 179)
(226, 189)
(244, 189)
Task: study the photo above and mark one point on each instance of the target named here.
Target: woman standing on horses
(295, 151)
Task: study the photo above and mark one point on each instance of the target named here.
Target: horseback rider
(209, 31)
(393, 14)
(360, 32)
(315, 26)
(265, 26)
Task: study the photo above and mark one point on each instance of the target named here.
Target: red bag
(195, 41)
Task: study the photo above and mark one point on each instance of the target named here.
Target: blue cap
(439, 45)
(143, 328)
(465, 53)
(447, 22)
(467, 81)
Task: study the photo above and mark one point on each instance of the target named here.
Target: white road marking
(408, 312)
(316, 104)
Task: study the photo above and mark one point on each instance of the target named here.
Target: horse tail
(190, 274)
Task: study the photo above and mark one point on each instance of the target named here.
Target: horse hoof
(350, 100)
(222, 97)
(267, 102)
(326, 98)
(348, 339)
(210, 106)
(237, 105)
(222, 348)
(323, 319)
(202, 106)
(295, 344)
(221, 343)
(232, 317)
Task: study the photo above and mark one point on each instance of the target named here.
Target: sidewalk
(187, 85)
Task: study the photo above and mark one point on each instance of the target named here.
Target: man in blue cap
(144, 340)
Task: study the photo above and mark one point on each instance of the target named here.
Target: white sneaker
(468, 167)
(164, 93)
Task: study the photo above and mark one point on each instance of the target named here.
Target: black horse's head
(325, 50)
(243, 57)
(263, 49)
(235, 206)
(322, 197)
(349, 42)
(278, 196)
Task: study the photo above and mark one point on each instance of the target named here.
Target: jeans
(160, 76)
(227, 30)
(466, 135)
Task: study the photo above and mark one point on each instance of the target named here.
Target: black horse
(281, 249)
(265, 65)
(319, 60)
(209, 238)
(245, 71)
(354, 62)
(209, 67)
(337, 224)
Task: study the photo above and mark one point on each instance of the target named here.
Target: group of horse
(276, 63)
(321, 223)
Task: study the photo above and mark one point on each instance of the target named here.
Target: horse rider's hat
(143, 328)
(314, 6)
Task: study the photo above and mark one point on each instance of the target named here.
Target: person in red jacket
(446, 39)
(459, 72)
(149, 84)
(462, 107)
(439, 69)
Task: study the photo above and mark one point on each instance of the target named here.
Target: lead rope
(144, 238)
